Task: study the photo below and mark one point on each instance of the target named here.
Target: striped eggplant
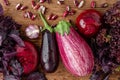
(49, 56)
(76, 54)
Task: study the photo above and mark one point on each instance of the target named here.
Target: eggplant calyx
(46, 26)
(63, 27)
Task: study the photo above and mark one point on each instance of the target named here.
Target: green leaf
(46, 26)
(63, 27)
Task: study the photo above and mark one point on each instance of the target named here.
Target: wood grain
(53, 7)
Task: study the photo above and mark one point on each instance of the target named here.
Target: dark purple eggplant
(49, 56)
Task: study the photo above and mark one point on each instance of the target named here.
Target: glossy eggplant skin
(49, 56)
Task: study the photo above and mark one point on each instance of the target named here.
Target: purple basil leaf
(1, 40)
(16, 68)
(1, 65)
(107, 77)
(8, 56)
(5, 64)
(2, 36)
(1, 70)
(36, 76)
(11, 77)
(16, 32)
(96, 75)
(17, 39)
(1, 10)
(9, 38)
(106, 68)
(100, 75)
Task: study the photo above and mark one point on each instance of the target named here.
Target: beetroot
(28, 57)
(75, 52)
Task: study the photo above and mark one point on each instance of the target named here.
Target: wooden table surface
(53, 7)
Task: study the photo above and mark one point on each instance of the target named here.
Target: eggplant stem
(46, 25)
(63, 27)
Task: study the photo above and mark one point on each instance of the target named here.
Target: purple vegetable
(16, 68)
(100, 75)
(49, 53)
(75, 52)
(49, 56)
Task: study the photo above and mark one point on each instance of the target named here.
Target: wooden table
(53, 7)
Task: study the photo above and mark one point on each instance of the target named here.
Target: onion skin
(76, 54)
